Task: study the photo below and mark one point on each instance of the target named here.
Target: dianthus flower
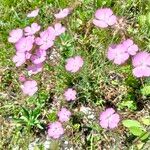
(70, 94)
(55, 130)
(74, 64)
(19, 59)
(33, 13)
(25, 44)
(59, 29)
(141, 63)
(117, 54)
(39, 56)
(109, 119)
(32, 30)
(104, 17)
(46, 39)
(64, 115)
(131, 48)
(15, 35)
(29, 87)
(34, 69)
(62, 13)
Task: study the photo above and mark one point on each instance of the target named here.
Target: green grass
(93, 82)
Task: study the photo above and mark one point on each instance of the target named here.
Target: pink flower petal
(113, 121)
(15, 35)
(112, 20)
(100, 23)
(33, 13)
(32, 30)
(141, 71)
(59, 29)
(63, 13)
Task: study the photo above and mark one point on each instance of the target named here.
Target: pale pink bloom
(33, 13)
(64, 115)
(46, 39)
(141, 63)
(19, 59)
(29, 87)
(104, 17)
(59, 29)
(28, 55)
(109, 119)
(32, 30)
(117, 54)
(70, 94)
(130, 46)
(74, 64)
(34, 69)
(22, 78)
(25, 44)
(15, 35)
(39, 57)
(62, 13)
(55, 130)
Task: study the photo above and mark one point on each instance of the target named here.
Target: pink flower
(55, 130)
(39, 57)
(46, 39)
(109, 119)
(62, 14)
(130, 46)
(32, 30)
(25, 44)
(59, 29)
(34, 69)
(33, 13)
(22, 78)
(19, 59)
(141, 63)
(15, 35)
(64, 115)
(29, 87)
(74, 64)
(104, 17)
(117, 54)
(70, 94)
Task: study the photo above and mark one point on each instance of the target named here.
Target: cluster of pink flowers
(120, 53)
(32, 45)
(55, 129)
(31, 49)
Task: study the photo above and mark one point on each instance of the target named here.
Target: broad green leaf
(137, 131)
(131, 123)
